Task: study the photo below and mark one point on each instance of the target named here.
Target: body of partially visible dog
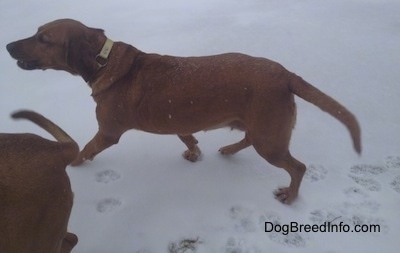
(35, 191)
(181, 95)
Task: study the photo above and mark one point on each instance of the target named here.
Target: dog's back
(35, 191)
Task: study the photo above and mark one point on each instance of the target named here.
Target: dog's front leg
(99, 142)
(193, 152)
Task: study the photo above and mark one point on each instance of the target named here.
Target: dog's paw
(78, 161)
(228, 150)
(192, 155)
(285, 195)
(234, 148)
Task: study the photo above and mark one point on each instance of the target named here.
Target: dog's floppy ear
(81, 53)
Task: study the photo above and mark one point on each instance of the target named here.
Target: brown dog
(181, 95)
(35, 192)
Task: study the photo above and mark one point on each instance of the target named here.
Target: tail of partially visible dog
(316, 97)
(71, 148)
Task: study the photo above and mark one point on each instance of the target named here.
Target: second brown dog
(35, 191)
(181, 95)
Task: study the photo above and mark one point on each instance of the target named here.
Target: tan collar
(102, 57)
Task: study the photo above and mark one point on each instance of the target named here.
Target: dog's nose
(10, 47)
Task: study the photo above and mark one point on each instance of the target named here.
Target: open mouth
(28, 65)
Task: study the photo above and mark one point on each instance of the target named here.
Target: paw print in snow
(392, 162)
(108, 205)
(368, 183)
(244, 219)
(239, 246)
(362, 175)
(107, 176)
(291, 239)
(355, 193)
(315, 173)
(367, 170)
(395, 184)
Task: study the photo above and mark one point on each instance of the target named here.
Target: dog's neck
(101, 59)
(120, 62)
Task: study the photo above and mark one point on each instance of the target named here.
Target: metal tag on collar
(102, 57)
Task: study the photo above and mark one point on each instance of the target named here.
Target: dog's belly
(187, 122)
(194, 111)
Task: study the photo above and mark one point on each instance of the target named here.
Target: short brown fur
(182, 95)
(35, 191)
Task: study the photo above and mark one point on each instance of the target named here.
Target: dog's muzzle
(22, 63)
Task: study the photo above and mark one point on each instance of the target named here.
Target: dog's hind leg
(271, 141)
(296, 171)
(281, 157)
(193, 152)
(236, 147)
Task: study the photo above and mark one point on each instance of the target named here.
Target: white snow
(141, 196)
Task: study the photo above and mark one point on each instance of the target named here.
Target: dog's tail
(311, 94)
(59, 134)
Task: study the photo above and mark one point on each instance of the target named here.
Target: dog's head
(63, 44)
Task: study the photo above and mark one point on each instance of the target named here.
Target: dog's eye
(43, 38)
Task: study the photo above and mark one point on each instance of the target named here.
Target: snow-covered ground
(141, 196)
